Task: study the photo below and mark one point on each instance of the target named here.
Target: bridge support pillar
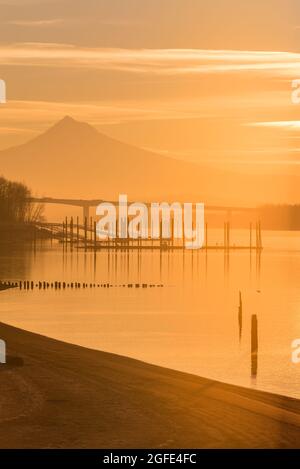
(86, 212)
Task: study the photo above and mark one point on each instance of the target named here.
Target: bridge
(87, 204)
(84, 204)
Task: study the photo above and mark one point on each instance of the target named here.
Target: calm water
(190, 324)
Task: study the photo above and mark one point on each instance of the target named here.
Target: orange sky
(186, 78)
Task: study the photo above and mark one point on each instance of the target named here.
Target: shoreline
(59, 395)
(6, 286)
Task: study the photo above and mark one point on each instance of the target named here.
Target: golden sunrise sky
(207, 81)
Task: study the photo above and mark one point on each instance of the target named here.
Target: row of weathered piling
(56, 285)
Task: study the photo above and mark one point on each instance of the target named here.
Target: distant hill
(73, 159)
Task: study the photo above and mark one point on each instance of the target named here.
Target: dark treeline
(14, 205)
(280, 217)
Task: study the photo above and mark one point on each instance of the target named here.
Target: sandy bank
(59, 395)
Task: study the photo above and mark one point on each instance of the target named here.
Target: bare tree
(15, 206)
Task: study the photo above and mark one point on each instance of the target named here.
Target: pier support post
(71, 231)
(240, 316)
(77, 230)
(85, 232)
(254, 345)
(86, 212)
(95, 236)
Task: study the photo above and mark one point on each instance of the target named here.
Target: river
(189, 324)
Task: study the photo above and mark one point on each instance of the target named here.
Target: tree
(15, 206)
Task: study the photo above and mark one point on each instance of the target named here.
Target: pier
(82, 233)
(72, 233)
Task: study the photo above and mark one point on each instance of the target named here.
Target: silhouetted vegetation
(280, 217)
(14, 203)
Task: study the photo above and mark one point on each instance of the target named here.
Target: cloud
(152, 61)
(36, 23)
(289, 125)
(14, 130)
(40, 114)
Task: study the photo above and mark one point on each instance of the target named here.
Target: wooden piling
(66, 226)
(240, 316)
(85, 232)
(95, 235)
(254, 345)
(117, 234)
(71, 231)
(228, 235)
(91, 228)
(259, 235)
(77, 230)
(160, 234)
